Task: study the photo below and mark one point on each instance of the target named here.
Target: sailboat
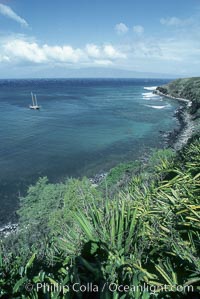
(34, 101)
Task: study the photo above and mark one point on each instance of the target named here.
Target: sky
(65, 37)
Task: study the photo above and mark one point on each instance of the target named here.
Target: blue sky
(50, 38)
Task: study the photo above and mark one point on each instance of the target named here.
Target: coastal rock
(96, 180)
(8, 229)
(188, 92)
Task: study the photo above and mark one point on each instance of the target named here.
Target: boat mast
(35, 100)
(32, 98)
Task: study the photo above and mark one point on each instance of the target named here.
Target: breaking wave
(148, 95)
(155, 107)
(150, 88)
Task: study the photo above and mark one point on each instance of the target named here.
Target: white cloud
(174, 21)
(62, 54)
(112, 53)
(103, 52)
(138, 29)
(121, 28)
(20, 49)
(23, 50)
(93, 50)
(8, 12)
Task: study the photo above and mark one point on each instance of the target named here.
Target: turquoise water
(85, 126)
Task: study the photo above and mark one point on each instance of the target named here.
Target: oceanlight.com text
(112, 287)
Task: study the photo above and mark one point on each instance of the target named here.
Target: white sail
(34, 100)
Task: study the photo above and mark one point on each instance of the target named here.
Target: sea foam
(155, 107)
(150, 88)
(158, 107)
(148, 95)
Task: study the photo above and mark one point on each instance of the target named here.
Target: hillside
(188, 88)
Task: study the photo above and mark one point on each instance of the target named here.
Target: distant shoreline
(158, 92)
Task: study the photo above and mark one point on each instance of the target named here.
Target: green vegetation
(118, 177)
(147, 234)
(136, 235)
(188, 88)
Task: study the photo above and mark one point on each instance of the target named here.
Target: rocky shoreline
(186, 131)
(158, 92)
(177, 138)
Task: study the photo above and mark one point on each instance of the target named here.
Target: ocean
(84, 127)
